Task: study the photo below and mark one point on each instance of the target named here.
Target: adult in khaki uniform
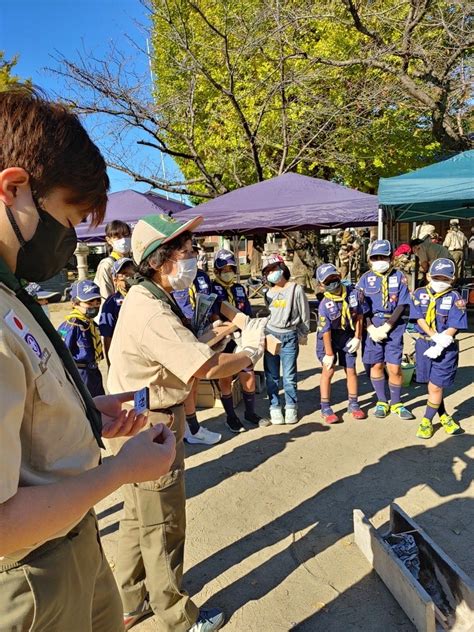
(152, 346)
(427, 252)
(456, 242)
(53, 572)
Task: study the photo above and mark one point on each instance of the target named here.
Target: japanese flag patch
(16, 324)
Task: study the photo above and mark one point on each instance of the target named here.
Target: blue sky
(38, 29)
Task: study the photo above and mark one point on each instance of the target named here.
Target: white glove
(328, 361)
(353, 345)
(443, 340)
(252, 341)
(434, 352)
(372, 331)
(303, 340)
(379, 333)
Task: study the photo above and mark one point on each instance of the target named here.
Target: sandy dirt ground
(269, 511)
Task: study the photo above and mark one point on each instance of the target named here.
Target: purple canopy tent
(128, 206)
(287, 202)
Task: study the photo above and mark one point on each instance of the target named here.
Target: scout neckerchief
(346, 318)
(156, 291)
(384, 278)
(192, 296)
(228, 288)
(430, 317)
(87, 324)
(93, 415)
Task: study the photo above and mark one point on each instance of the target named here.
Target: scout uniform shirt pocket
(52, 433)
(372, 285)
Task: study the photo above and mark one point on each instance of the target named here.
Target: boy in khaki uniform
(53, 573)
(152, 346)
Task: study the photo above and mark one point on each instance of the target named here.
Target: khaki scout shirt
(45, 435)
(429, 251)
(455, 240)
(151, 347)
(103, 278)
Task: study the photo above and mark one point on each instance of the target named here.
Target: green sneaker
(381, 410)
(400, 410)
(425, 429)
(450, 426)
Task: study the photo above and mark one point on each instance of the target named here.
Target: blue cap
(443, 267)
(380, 247)
(326, 270)
(120, 263)
(85, 291)
(224, 258)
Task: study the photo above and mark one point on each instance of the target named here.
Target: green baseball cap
(152, 231)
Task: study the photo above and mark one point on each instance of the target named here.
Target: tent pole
(235, 248)
(380, 224)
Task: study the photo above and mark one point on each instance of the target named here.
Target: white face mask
(122, 246)
(439, 286)
(187, 270)
(275, 276)
(228, 277)
(380, 266)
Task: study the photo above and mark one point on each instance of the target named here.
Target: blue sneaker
(400, 410)
(209, 619)
(381, 410)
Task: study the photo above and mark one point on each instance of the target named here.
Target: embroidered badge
(460, 304)
(16, 324)
(34, 345)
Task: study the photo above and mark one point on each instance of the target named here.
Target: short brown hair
(117, 229)
(49, 142)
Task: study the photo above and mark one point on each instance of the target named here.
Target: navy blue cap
(120, 263)
(85, 291)
(443, 267)
(35, 290)
(224, 258)
(326, 270)
(380, 247)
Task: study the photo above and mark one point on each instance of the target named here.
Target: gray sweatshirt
(289, 309)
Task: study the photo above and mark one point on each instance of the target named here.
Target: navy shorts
(92, 378)
(339, 340)
(389, 350)
(442, 370)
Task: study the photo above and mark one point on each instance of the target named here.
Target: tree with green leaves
(246, 90)
(7, 79)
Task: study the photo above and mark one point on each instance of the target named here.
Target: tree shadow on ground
(328, 516)
(454, 518)
(245, 457)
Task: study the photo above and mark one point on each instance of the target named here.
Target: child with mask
(118, 237)
(289, 322)
(123, 270)
(82, 336)
(440, 313)
(340, 324)
(386, 295)
(227, 289)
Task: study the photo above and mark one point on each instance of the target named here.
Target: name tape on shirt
(393, 282)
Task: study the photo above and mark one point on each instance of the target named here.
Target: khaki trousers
(64, 586)
(151, 542)
(458, 257)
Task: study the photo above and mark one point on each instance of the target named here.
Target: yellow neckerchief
(88, 325)
(384, 278)
(192, 296)
(346, 318)
(116, 255)
(228, 287)
(430, 316)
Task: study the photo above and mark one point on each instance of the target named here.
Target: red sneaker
(358, 413)
(331, 419)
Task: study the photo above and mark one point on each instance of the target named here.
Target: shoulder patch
(460, 303)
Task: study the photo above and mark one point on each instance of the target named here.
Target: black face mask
(47, 252)
(91, 312)
(332, 287)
